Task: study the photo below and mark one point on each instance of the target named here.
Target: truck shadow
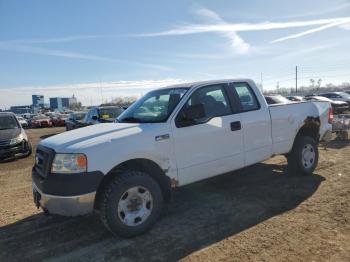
(199, 215)
(338, 144)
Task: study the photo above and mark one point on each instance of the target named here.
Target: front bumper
(66, 194)
(14, 150)
(64, 205)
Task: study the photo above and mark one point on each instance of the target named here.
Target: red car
(58, 120)
(41, 121)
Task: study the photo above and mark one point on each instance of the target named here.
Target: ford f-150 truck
(172, 137)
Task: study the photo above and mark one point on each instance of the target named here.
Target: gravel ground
(260, 213)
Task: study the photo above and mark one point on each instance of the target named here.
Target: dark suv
(102, 114)
(13, 139)
(75, 120)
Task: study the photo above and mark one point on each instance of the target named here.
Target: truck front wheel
(131, 203)
(303, 158)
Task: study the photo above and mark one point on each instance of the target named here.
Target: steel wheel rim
(308, 156)
(135, 206)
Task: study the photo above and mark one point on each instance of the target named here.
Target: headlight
(69, 163)
(17, 140)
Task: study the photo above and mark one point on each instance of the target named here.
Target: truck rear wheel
(303, 158)
(131, 204)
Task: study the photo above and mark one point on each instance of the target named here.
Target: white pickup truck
(171, 137)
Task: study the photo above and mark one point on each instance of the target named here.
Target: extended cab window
(213, 100)
(246, 96)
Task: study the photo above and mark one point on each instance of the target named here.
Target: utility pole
(296, 79)
(101, 92)
(261, 82)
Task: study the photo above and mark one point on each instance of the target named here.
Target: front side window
(246, 96)
(154, 107)
(213, 101)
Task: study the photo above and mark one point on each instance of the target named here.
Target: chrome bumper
(64, 205)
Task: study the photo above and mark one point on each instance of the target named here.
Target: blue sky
(102, 49)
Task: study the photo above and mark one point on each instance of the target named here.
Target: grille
(43, 160)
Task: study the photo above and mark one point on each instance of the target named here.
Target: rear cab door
(255, 120)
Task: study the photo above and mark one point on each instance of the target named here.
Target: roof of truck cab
(209, 82)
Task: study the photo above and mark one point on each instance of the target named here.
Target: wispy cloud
(237, 43)
(241, 27)
(311, 31)
(75, 55)
(59, 39)
(49, 52)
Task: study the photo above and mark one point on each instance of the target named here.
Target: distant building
(21, 109)
(38, 100)
(73, 100)
(59, 103)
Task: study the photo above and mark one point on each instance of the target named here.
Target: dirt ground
(261, 213)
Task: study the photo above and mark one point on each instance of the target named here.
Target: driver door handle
(235, 126)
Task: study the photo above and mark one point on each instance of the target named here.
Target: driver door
(213, 145)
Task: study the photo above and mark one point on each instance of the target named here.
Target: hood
(8, 134)
(83, 137)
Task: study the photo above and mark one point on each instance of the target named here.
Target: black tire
(297, 164)
(113, 193)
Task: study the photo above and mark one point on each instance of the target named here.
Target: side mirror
(95, 118)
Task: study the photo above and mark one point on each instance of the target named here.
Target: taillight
(330, 115)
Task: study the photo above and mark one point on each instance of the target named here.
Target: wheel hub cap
(135, 206)
(308, 156)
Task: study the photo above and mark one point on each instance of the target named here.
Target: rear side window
(246, 96)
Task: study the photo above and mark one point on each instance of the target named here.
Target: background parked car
(337, 96)
(75, 120)
(277, 99)
(295, 98)
(41, 121)
(105, 114)
(13, 139)
(58, 119)
(338, 106)
(22, 121)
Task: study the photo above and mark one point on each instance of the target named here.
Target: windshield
(8, 122)
(154, 107)
(319, 98)
(79, 116)
(345, 95)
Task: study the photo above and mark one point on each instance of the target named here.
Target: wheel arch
(311, 128)
(138, 164)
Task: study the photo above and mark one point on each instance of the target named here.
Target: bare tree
(312, 83)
